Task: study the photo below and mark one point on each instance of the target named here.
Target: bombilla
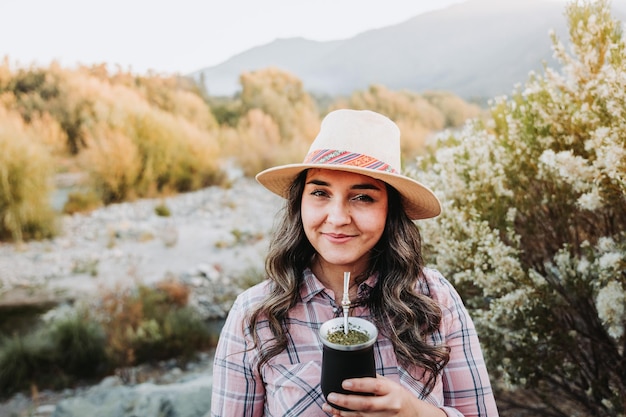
(345, 301)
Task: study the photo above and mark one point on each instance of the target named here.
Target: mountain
(476, 49)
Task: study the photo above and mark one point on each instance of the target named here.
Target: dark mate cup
(341, 362)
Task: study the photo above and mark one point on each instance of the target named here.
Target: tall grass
(258, 134)
(152, 142)
(178, 96)
(148, 136)
(113, 162)
(25, 170)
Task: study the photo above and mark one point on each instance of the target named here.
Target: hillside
(475, 49)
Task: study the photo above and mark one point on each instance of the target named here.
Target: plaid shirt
(289, 385)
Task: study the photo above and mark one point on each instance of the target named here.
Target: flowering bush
(533, 231)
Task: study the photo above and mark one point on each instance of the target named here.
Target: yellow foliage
(158, 151)
(255, 142)
(25, 171)
(169, 94)
(113, 161)
(281, 95)
(417, 116)
(173, 94)
(47, 130)
(145, 136)
(455, 110)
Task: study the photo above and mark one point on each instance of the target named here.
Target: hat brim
(418, 201)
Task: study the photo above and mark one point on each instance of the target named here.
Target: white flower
(610, 303)
(610, 261)
(583, 266)
(590, 201)
(605, 244)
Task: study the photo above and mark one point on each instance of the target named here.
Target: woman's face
(343, 215)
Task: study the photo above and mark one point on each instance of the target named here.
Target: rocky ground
(215, 239)
(128, 388)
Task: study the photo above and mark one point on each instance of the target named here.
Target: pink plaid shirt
(289, 385)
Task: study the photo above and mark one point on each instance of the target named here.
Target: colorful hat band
(334, 157)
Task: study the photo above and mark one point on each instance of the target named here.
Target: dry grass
(147, 141)
(25, 170)
(114, 164)
(151, 136)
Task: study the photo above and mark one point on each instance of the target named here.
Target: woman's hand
(390, 399)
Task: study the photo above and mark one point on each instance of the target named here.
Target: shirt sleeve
(466, 387)
(238, 389)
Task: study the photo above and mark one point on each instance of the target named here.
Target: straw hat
(363, 142)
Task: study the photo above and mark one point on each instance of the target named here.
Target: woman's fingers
(375, 386)
(378, 387)
(358, 403)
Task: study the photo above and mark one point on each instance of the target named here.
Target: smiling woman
(348, 209)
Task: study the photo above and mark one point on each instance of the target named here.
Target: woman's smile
(338, 237)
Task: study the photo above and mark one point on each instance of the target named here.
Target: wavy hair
(403, 316)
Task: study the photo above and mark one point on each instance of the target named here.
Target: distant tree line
(137, 136)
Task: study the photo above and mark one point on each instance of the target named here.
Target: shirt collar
(311, 286)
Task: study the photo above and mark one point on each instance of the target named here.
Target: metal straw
(345, 301)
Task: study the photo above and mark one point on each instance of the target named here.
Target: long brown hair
(403, 315)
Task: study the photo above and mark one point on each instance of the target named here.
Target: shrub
(278, 120)
(226, 111)
(80, 202)
(127, 327)
(52, 357)
(20, 360)
(181, 334)
(151, 323)
(25, 170)
(114, 164)
(281, 95)
(533, 231)
(162, 210)
(179, 96)
(79, 346)
(259, 135)
(136, 136)
(455, 110)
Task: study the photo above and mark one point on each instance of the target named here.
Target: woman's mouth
(337, 237)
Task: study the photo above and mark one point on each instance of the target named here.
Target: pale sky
(181, 36)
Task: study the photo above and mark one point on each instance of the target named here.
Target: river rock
(191, 398)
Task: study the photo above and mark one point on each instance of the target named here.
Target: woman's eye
(363, 197)
(318, 193)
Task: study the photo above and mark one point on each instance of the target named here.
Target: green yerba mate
(354, 337)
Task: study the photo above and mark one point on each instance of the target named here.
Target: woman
(348, 209)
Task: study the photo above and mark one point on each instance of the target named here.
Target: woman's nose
(338, 213)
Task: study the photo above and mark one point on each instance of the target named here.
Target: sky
(181, 36)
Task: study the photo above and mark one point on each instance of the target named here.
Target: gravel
(211, 237)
